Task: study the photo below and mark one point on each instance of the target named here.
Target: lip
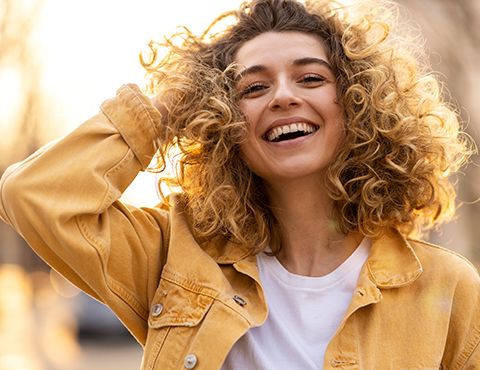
(287, 121)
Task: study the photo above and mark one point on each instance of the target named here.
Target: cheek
(244, 106)
(247, 151)
(337, 136)
(339, 119)
(252, 109)
(252, 156)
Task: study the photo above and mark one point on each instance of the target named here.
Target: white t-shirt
(304, 313)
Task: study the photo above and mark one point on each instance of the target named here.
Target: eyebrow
(251, 70)
(297, 62)
(311, 60)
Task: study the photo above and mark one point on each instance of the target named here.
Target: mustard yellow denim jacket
(416, 306)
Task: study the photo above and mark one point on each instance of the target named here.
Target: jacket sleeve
(63, 200)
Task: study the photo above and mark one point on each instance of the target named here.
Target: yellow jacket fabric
(416, 305)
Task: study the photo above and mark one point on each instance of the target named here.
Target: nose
(285, 97)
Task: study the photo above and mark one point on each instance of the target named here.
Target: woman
(311, 146)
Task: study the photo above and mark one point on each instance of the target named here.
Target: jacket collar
(221, 250)
(226, 252)
(392, 262)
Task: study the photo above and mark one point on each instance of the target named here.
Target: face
(288, 96)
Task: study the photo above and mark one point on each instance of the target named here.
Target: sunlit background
(59, 60)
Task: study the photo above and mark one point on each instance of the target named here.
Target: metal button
(157, 309)
(190, 361)
(239, 300)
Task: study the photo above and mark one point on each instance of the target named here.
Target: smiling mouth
(289, 132)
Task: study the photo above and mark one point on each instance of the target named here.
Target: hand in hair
(160, 107)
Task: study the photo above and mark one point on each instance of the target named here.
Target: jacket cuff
(136, 118)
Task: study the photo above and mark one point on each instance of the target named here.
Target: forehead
(273, 47)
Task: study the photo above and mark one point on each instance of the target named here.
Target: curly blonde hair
(401, 140)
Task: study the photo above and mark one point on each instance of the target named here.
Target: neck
(311, 243)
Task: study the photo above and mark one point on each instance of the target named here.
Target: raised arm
(64, 201)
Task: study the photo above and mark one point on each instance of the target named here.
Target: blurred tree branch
(19, 55)
(18, 52)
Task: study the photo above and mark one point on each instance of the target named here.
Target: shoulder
(446, 267)
(433, 254)
(456, 281)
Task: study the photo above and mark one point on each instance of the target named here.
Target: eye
(312, 79)
(252, 89)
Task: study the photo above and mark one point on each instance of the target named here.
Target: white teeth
(294, 127)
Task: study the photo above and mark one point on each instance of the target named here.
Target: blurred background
(60, 59)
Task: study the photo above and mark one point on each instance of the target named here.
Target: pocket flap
(175, 305)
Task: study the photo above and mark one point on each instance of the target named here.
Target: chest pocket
(176, 314)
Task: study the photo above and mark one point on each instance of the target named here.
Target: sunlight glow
(91, 48)
(10, 95)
